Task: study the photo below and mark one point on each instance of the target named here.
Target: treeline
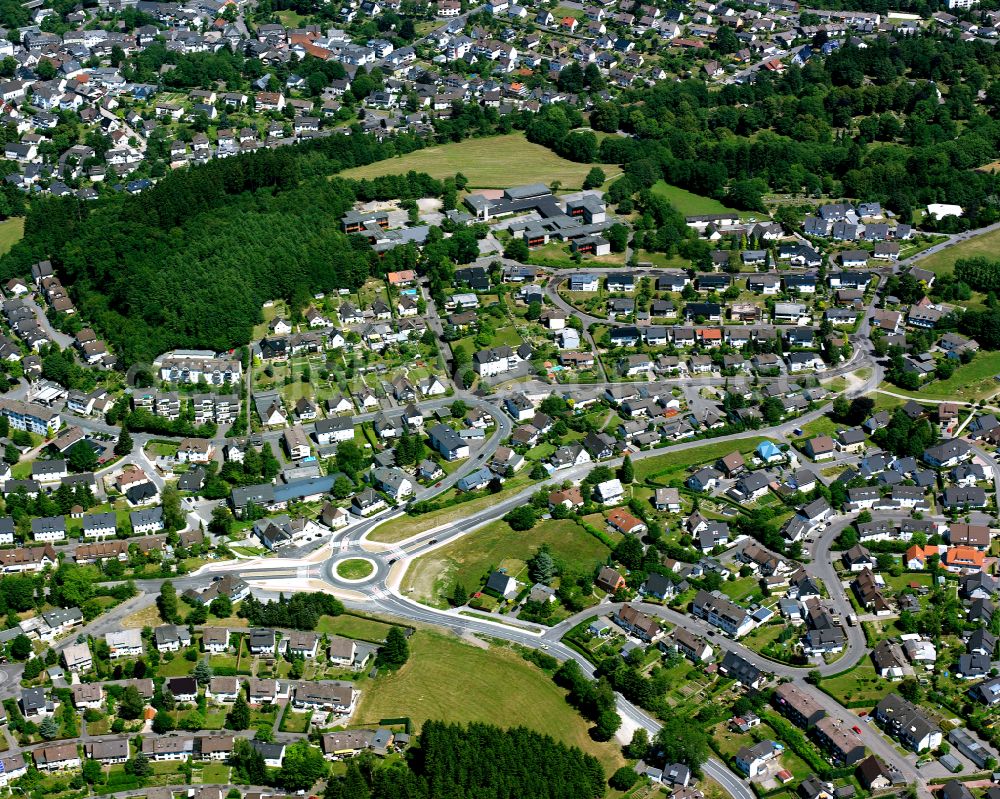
(299, 612)
(983, 326)
(595, 700)
(478, 761)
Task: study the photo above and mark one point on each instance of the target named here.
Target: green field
(673, 463)
(431, 577)
(496, 162)
(973, 381)
(407, 526)
(292, 19)
(354, 627)
(11, 232)
(691, 204)
(860, 684)
(453, 681)
(942, 262)
(215, 774)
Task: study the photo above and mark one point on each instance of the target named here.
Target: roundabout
(355, 570)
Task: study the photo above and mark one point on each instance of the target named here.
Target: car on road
(857, 729)
(432, 541)
(437, 484)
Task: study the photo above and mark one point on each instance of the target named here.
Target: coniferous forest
(479, 761)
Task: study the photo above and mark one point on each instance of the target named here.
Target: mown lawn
(673, 463)
(432, 576)
(178, 667)
(496, 162)
(860, 684)
(823, 426)
(215, 774)
(453, 681)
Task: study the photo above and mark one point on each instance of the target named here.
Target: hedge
(797, 742)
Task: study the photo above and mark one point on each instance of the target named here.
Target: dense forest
(479, 761)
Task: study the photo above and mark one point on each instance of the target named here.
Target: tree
(629, 552)
(20, 647)
(624, 778)
(350, 458)
(627, 472)
(124, 444)
(841, 407)
(167, 603)
(772, 410)
(342, 487)
(682, 742)
(249, 763)
(239, 716)
(92, 771)
(138, 766)
(521, 518)
(131, 705)
(11, 454)
(351, 786)
(459, 409)
(395, 651)
(302, 767)
(173, 515)
(459, 595)
(163, 722)
(516, 250)
(49, 728)
(617, 236)
(221, 607)
(82, 457)
(608, 722)
(638, 747)
(202, 671)
(595, 178)
(541, 565)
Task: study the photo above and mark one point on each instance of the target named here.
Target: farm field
(495, 162)
(431, 577)
(689, 203)
(454, 681)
